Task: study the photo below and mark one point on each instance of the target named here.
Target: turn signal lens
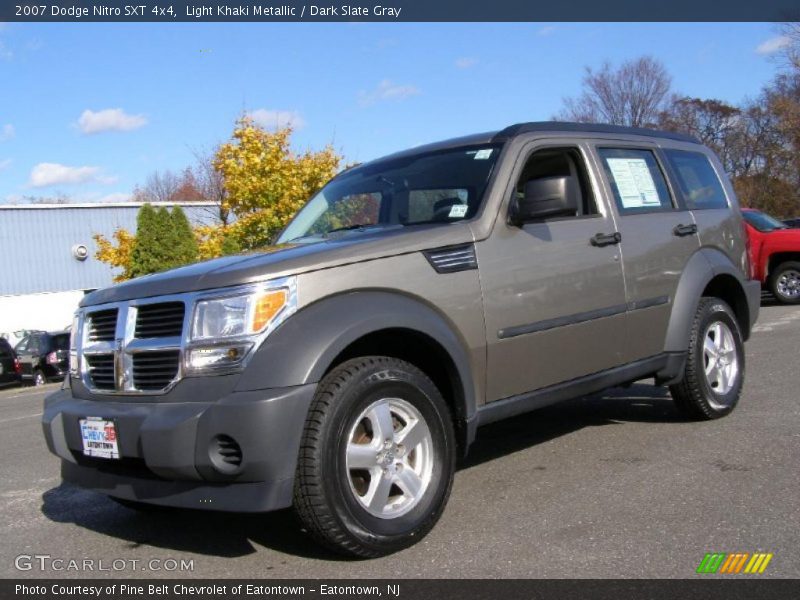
(266, 307)
(217, 357)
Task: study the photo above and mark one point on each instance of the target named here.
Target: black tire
(325, 498)
(778, 288)
(39, 378)
(694, 395)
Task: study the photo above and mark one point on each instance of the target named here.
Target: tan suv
(414, 299)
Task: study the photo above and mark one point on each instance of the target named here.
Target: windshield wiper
(351, 227)
(428, 222)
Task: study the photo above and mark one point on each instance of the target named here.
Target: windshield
(433, 187)
(763, 222)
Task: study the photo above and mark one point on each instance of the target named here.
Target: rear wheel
(784, 282)
(377, 459)
(714, 372)
(39, 378)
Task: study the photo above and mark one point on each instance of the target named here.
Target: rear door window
(33, 344)
(697, 179)
(636, 180)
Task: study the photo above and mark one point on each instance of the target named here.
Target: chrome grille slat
(159, 320)
(102, 325)
(155, 370)
(101, 371)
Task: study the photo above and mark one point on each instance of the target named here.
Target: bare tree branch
(633, 95)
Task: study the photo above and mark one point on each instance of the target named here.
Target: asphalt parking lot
(613, 485)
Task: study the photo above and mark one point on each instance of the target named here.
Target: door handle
(682, 230)
(606, 239)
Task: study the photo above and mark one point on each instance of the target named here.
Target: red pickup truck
(774, 255)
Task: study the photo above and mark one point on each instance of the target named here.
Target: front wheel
(784, 282)
(377, 459)
(714, 372)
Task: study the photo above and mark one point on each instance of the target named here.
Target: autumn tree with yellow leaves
(119, 255)
(264, 183)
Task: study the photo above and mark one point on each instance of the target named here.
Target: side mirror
(545, 197)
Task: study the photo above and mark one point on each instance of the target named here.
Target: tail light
(52, 358)
(17, 367)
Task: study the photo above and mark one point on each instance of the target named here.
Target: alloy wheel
(389, 458)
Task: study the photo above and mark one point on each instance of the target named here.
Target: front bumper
(166, 448)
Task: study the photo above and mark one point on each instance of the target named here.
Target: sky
(90, 110)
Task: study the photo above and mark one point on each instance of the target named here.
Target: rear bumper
(168, 448)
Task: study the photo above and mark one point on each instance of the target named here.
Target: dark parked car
(793, 223)
(43, 356)
(10, 369)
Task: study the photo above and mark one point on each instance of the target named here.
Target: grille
(102, 325)
(453, 259)
(155, 370)
(159, 320)
(101, 370)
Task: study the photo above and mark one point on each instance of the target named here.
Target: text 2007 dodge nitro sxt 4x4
(414, 299)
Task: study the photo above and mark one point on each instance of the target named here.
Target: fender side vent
(452, 259)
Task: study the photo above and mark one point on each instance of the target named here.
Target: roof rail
(554, 126)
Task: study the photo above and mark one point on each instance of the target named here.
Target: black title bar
(172, 11)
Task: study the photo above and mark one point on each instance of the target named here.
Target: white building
(47, 260)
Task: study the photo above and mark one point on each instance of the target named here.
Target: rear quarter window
(697, 180)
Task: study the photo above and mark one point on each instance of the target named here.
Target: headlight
(226, 326)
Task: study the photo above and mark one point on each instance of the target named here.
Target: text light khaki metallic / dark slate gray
(412, 300)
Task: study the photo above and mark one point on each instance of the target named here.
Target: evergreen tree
(184, 250)
(143, 254)
(164, 241)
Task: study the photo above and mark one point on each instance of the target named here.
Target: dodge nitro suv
(414, 299)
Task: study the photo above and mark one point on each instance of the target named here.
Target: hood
(791, 233)
(286, 259)
(787, 237)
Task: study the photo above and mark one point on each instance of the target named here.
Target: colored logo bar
(734, 562)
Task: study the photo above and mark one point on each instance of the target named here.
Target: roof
(518, 129)
(566, 127)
